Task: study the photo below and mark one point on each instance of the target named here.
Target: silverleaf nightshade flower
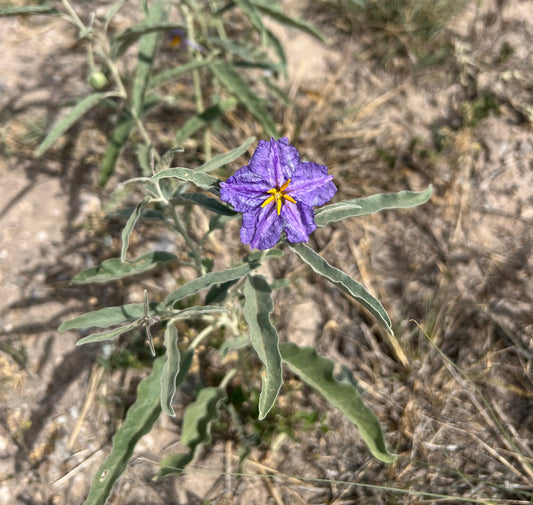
(276, 192)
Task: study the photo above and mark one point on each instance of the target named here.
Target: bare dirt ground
(453, 390)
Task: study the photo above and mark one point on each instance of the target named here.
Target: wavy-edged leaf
(171, 369)
(317, 371)
(113, 268)
(344, 282)
(224, 159)
(199, 179)
(196, 429)
(250, 263)
(147, 50)
(274, 10)
(209, 203)
(370, 204)
(139, 420)
(63, 124)
(126, 232)
(258, 305)
(237, 85)
(109, 316)
(119, 137)
(106, 335)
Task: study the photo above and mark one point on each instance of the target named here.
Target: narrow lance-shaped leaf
(170, 370)
(237, 85)
(110, 316)
(251, 13)
(212, 278)
(205, 118)
(174, 73)
(139, 420)
(275, 11)
(257, 308)
(126, 232)
(344, 282)
(113, 268)
(116, 142)
(370, 204)
(224, 159)
(196, 429)
(63, 124)
(147, 50)
(106, 335)
(28, 10)
(318, 373)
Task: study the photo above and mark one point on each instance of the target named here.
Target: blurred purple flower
(177, 38)
(277, 192)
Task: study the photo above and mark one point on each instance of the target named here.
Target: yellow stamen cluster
(176, 41)
(278, 195)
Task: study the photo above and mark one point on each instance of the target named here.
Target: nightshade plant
(261, 190)
(276, 194)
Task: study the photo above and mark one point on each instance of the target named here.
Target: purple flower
(177, 38)
(277, 192)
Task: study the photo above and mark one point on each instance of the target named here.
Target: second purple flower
(277, 192)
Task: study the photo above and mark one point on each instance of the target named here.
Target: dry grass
(453, 390)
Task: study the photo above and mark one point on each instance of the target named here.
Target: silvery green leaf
(205, 118)
(106, 335)
(170, 369)
(317, 371)
(224, 159)
(139, 420)
(251, 262)
(258, 305)
(344, 282)
(110, 316)
(113, 269)
(126, 232)
(370, 204)
(199, 179)
(237, 85)
(174, 73)
(63, 124)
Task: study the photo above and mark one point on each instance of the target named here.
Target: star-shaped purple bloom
(277, 192)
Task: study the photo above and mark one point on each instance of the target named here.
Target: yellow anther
(278, 195)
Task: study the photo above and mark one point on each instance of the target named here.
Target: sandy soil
(460, 267)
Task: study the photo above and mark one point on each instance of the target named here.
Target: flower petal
(244, 190)
(298, 222)
(311, 184)
(261, 228)
(275, 160)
